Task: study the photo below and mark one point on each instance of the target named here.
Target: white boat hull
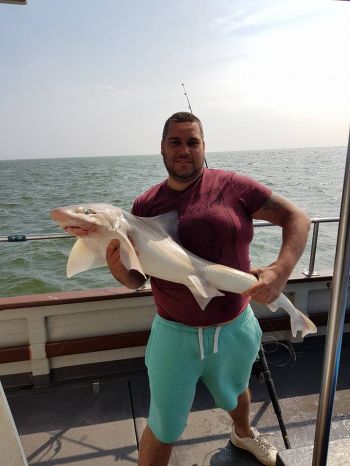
(46, 336)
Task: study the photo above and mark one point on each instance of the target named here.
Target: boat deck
(97, 421)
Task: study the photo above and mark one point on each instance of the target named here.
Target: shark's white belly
(165, 259)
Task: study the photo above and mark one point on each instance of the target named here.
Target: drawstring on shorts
(216, 340)
(201, 345)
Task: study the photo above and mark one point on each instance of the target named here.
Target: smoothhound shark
(159, 254)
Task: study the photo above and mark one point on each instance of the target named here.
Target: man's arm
(295, 225)
(129, 278)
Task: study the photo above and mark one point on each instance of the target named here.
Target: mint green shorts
(178, 356)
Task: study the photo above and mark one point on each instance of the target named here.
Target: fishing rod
(17, 238)
(190, 108)
(188, 100)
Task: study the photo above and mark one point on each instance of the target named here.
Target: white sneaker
(260, 448)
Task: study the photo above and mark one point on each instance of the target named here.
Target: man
(219, 345)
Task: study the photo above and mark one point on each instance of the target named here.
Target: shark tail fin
(300, 322)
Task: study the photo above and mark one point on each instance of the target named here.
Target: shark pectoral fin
(202, 291)
(84, 257)
(128, 255)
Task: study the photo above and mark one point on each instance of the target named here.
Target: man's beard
(183, 177)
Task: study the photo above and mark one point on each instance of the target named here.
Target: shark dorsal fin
(166, 222)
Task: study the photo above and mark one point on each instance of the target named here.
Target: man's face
(183, 152)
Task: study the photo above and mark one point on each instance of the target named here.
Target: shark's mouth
(75, 226)
(82, 225)
(72, 225)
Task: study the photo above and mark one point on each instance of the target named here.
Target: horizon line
(55, 157)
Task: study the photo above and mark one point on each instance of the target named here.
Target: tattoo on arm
(273, 204)
(276, 210)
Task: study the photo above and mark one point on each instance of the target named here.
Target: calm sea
(29, 189)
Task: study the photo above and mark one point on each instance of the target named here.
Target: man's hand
(271, 282)
(130, 278)
(113, 259)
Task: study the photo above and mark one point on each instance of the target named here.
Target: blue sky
(89, 77)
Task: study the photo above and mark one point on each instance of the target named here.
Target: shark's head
(95, 225)
(88, 219)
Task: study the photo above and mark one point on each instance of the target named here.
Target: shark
(151, 246)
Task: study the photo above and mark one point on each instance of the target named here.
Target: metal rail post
(310, 271)
(335, 326)
(11, 450)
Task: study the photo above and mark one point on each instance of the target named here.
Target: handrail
(307, 272)
(313, 220)
(310, 271)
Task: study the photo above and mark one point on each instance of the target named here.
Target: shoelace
(265, 445)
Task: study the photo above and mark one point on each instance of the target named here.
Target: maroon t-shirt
(215, 223)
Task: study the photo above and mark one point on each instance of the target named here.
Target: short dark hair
(182, 117)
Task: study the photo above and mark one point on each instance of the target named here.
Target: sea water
(29, 189)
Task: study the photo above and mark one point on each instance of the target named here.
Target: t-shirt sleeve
(135, 209)
(143, 203)
(252, 193)
(140, 206)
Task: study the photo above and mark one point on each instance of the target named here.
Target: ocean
(29, 189)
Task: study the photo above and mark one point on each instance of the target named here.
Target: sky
(100, 77)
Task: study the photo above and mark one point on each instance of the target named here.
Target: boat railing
(309, 272)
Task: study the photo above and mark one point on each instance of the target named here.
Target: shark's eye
(88, 211)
